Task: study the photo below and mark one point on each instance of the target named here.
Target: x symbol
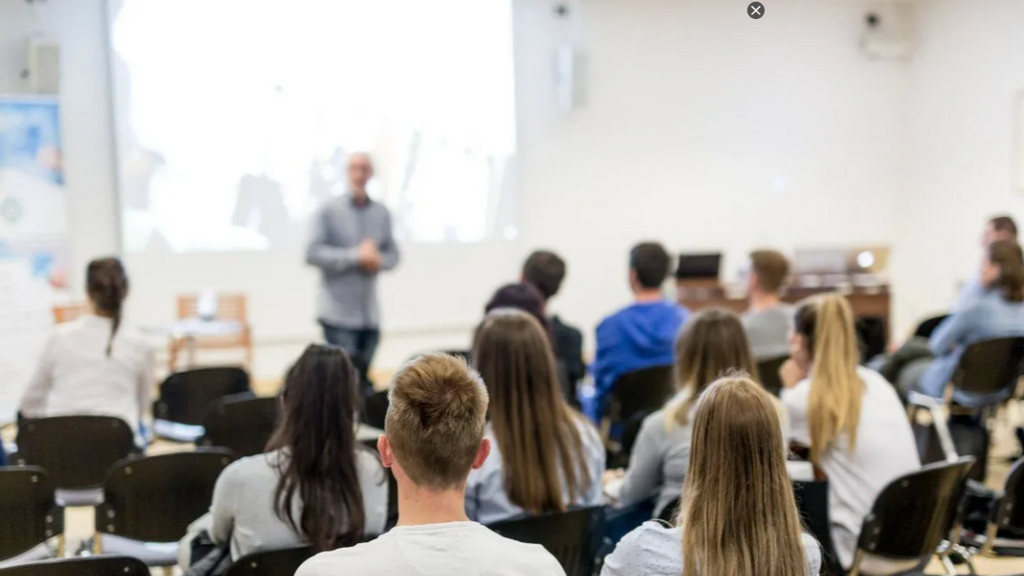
(755, 10)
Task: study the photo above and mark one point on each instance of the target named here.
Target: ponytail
(826, 322)
(1007, 255)
(107, 285)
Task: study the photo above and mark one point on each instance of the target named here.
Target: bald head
(360, 170)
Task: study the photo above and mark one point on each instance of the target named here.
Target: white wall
(693, 111)
(968, 65)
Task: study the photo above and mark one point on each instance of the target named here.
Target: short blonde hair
(436, 418)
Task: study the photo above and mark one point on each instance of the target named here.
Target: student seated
(927, 366)
(850, 417)
(738, 514)
(93, 365)
(643, 334)
(712, 343)
(545, 271)
(998, 228)
(768, 320)
(434, 436)
(545, 456)
(315, 484)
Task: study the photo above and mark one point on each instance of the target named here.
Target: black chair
(96, 566)
(272, 562)
(572, 537)
(634, 396)
(375, 409)
(1007, 517)
(812, 504)
(872, 336)
(186, 397)
(242, 424)
(29, 514)
(926, 327)
(768, 374)
(670, 512)
(913, 515)
(76, 452)
(988, 367)
(152, 500)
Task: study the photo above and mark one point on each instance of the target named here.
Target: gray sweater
(659, 461)
(243, 503)
(348, 294)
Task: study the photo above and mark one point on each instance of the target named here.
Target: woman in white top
(545, 457)
(850, 417)
(712, 342)
(92, 366)
(316, 484)
(739, 516)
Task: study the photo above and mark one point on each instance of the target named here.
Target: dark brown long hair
(712, 343)
(1007, 255)
(536, 431)
(317, 436)
(107, 285)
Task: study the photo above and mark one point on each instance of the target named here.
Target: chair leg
(97, 544)
(947, 564)
(855, 568)
(61, 543)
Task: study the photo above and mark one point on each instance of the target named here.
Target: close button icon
(755, 10)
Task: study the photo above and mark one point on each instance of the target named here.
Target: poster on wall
(33, 237)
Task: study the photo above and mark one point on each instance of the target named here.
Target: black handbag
(208, 558)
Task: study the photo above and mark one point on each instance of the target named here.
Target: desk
(866, 301)
(191, 329)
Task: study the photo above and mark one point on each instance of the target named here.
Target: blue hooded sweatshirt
(638, 336)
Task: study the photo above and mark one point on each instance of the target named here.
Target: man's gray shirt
(348, 294)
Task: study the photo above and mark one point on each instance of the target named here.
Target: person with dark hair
(433, 437)
(927, 365)
(315, 484)
(545, 270)
(545, 457)
(93, 365)
(768, 320)
(998, 228)
(520, 296)
(644, 333)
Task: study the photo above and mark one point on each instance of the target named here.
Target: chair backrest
(375, 409)
(872, 336)
(242, 424)
(94, 566)
(28, 510)
(571, 537)
(271, 562)
(768, 374)
(76, 451)
(641, 390)
(812, 504)
(913, 514)
(926, 327)
(230, 307)
(990, 365)
(1008, 512)
(155, 498)
(186, 397)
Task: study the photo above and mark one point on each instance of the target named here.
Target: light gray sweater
(657, 467)
(243, 503)
(348, 294)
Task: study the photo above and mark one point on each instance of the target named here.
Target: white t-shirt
(885, 450)
(454, 548)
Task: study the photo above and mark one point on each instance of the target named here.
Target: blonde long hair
(536, 431)
(827, 326)
(712, 343)
(739, 516)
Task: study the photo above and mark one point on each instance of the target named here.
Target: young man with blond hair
(433, 437)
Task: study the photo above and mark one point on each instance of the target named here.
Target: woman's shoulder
(653, 548)
(812, 551)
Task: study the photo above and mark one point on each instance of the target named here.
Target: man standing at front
(351, 243)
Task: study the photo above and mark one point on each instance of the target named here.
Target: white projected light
(235, 117)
